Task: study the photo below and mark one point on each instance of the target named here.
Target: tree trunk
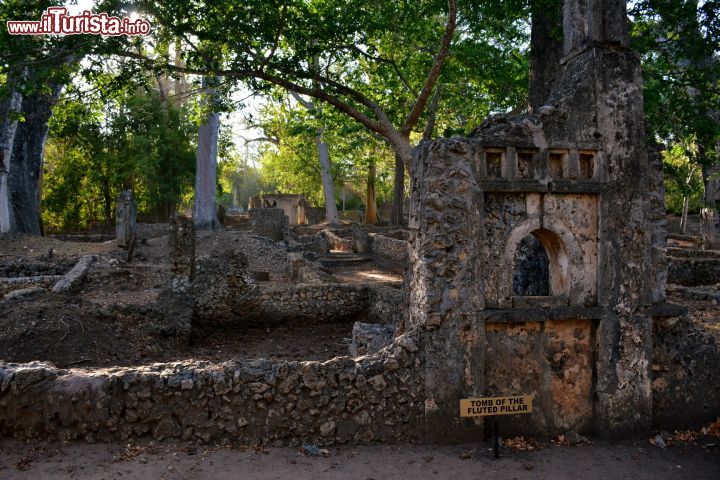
(396, 214)
(710, 214)
(204, 206)
(684, 215)
(370, 203)
(331, 213)
(8, 129)
(107, 201)
(546, 37)
(26, 160)
(432, 114)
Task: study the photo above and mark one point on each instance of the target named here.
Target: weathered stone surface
(579, 176)
(181, 241)
(686, 375)
(694, 271)
(270, 222)
(394, 249)
(275, 403)
(23, 293)
(9, 285)
(75, 276)
(125, 219)
(386, 305)
(362, 242)
(369, 338)
(337, 242)
(223, 288)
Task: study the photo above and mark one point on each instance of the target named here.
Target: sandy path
(636, 461)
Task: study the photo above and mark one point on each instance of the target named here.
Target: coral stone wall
(270, 222)
(375, 398)
(394, 249)
(686, 375)
(550, 360)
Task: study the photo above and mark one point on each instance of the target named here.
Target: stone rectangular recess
(525, 163)
(557, 164)
(494, 162)
(587, 164)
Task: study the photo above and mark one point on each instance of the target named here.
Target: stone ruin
(271, 222)
(577, 177)
(537, 266)
(125, 219)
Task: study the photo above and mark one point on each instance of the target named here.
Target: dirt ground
(64, 331)
(637, 460)
(76, 330)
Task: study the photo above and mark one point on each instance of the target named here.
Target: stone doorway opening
(531, 269)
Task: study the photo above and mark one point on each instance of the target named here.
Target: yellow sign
(483, 407)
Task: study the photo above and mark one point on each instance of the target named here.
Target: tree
(328, 183)
(33, 71)
(104, 139)
(679, 41)
(9, 106)
(312, 48)
(204, 206)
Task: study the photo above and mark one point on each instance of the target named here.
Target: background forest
(119, 121)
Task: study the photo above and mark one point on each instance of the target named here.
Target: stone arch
(560, 247)
(531, 268)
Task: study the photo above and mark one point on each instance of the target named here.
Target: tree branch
(262, 139)
(414, 115)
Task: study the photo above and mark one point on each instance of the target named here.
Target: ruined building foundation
(571, 191)
(579, 177)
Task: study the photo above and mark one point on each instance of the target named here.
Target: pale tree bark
(204, 206)
(8, 128)
(686, 204)
(328, 184)
(331, 213)
(684, 215)
(371, 217)
(26, 159)
(396, 214)
(710, 214)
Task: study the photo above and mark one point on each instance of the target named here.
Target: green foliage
(679, 43)
(289, 161)
(682, 179)
(98, 147)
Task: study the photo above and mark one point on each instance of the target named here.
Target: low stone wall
(307, 304)
(371, 399)
(270, 222)
(391, 248)
(8, 285)
(22, 267)
(700, 293)
(151, 230)
(337, 242)
(384, 305)
(693, 271)
(686, 375)
(267, 256)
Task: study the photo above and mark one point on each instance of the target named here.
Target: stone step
(341, 260)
